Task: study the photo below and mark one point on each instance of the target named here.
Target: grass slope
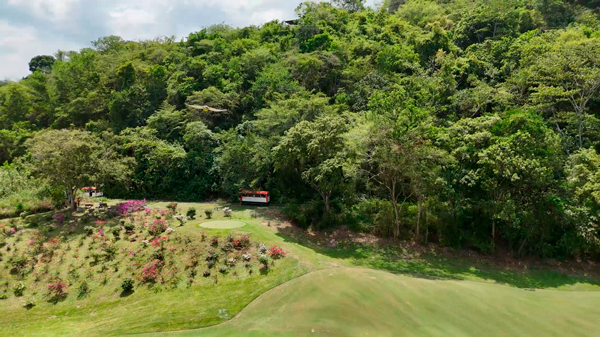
(364, 302)
(160, 308)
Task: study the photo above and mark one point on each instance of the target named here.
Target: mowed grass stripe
(362, 302)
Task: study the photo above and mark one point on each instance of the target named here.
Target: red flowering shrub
(151, 273)
(172, 207)
(276, 252)
(245, 241)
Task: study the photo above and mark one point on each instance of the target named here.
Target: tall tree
(72, 159)
(568, 72)
(401, 152)
(316, 151)
(41, 63)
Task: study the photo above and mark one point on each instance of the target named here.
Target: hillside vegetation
(467, 123)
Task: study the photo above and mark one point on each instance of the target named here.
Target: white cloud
(14, 41)
(130, 22)
(54, 10)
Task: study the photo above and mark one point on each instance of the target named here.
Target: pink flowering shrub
(132, 206)
(151, 273)
(158, 227)
(59, 218)
(57, 290)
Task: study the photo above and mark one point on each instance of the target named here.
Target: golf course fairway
(364, 302)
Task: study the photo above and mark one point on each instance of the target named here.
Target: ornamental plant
(89, 230)
(208, 213)
(59, 218)
(158, 227)
(180, 218)
(172, 207)
(191, 213)
(58, 288)
(19, 289)
(245, 241)
(276, 252)
(151, 272)
(264, 262)
(129, 227)
(127, 285)
(132, 206)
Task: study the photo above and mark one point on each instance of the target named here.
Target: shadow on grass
(58, 298)
(435, 267)
(126, 293)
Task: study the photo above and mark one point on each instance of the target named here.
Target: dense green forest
(471, 123)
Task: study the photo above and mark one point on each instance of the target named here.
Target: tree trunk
(326, 197)
(420, 203)
(396, 231)
(580, 129)
(73, 192)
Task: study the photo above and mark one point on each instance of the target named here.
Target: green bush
(208, 213)
(84, 290)
(374, 216)
(264, 262)
(305, 215)
(227, 247)
(191, 213)
(111, 251)
(127, 285)
(129, 227)
(19, 289)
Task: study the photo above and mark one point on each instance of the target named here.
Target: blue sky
(41, 27)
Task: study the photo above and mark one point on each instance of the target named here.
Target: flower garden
(50, 258)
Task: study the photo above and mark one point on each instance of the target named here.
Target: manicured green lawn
(313, 288)
(361, 302)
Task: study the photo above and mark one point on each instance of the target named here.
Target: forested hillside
(468, 123)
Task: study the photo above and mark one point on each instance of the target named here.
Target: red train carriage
(255, 197)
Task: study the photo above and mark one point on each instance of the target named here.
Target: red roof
(88, 188)
(254, 192)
